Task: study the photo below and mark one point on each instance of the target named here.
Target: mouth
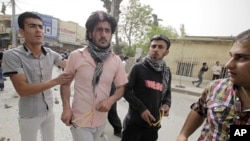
(103, 40)
(231, 74)
(38, 36)
(154, 55)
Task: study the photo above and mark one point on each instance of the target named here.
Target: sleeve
(11, 63)
(57, 58)
(201, 105)
(120, 78)
(204, 69)
(168, 95)
(72, 58)
(134, 102)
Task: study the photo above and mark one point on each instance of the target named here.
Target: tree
(3, 8)
(113, 7)
(152, 30)
(134, 20)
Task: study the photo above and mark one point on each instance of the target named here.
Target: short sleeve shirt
(82, 65)
(36, 69)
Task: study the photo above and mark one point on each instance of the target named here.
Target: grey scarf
(99, 55)
(160, 66)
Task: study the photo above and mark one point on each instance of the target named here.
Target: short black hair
(22, 17)
(99, 16)
(162, 37)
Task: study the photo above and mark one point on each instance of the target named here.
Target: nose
(229, 64)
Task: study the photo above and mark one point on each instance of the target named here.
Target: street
(170, 125)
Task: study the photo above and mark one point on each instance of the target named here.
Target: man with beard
(94, 67)
(148, 93)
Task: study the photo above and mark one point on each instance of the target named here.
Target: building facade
(59, 34)
(187, 55)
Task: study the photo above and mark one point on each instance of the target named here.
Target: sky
(200, 17)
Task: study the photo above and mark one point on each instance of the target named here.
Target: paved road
(169, 131)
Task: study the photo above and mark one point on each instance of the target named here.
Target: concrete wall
(196, 51)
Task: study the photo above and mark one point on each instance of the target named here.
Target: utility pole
(13, 21)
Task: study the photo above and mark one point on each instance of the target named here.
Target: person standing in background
(216, 70)
(113, 116)
(2, 78)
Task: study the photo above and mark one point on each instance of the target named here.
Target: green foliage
(118, 49)
(129, 51)
(137, 25)
(156, 30)
(134, 20)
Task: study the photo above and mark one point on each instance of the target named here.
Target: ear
(21, 31)
(90, 35)
(166, 52)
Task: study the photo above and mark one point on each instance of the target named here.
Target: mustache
(103, 39)
(155, 54)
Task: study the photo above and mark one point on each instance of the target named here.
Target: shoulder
(220, 86)
(13, 51)
(49, 50)
(139, 66)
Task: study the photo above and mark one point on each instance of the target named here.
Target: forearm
(26, 89)
(65, 95)
(193, 122)
(119, 92)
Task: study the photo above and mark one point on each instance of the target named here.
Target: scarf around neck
(159, 66)
(99, 55)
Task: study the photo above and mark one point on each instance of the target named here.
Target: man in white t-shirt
(216, 70)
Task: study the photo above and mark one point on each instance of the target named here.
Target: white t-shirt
(216, 69)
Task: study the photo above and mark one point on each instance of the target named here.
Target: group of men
(94, 69)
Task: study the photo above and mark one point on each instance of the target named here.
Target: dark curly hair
(99, 16)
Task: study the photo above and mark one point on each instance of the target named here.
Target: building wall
(195, 51)
(67, 35)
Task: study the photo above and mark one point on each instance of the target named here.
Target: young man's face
(33, 31)
(102, 34)
(158, 49)
(239, 64)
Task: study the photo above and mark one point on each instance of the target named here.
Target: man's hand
(165, 109)
(104, 106)
(64, 78)
(146, 116)
(66, 116)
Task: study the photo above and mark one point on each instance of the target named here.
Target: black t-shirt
(144, 91)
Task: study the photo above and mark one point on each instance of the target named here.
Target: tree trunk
(113, 7)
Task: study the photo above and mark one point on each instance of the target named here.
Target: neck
(34, 48)
(245, 98)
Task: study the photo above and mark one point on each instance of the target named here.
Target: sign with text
(239, 132)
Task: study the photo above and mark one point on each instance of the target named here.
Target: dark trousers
(114, 119)
(135, 133)
(215, 77)
(199, 81)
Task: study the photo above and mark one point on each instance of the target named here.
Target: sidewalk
(182, 84)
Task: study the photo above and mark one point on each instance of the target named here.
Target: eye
(240, 57)
(153, 46)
